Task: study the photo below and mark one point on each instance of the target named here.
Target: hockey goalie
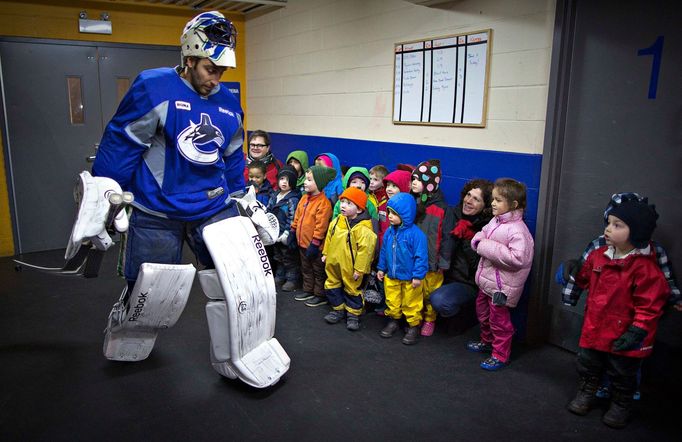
(172, 154)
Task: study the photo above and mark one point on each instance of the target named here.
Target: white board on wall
(443, 80)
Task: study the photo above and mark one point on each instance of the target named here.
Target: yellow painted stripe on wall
(6, 237)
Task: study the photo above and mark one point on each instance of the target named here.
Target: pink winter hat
(400, 178)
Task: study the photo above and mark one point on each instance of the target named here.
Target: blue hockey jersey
(179, 153)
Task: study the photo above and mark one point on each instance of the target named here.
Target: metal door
(46, 148)
(622, 132)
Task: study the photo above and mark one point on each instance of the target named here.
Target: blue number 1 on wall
(656, 50)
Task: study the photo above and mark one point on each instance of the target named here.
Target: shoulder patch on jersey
(225, 111)
(183, 105)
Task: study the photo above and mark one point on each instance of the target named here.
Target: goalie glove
(266, 223)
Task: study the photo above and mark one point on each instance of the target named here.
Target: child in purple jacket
(506, 249)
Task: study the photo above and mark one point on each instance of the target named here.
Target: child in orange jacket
(309, 230)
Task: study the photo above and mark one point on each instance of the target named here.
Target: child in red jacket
(436, 220)
(627, 294)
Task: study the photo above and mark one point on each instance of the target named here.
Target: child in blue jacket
(283, 205)
(403, 262)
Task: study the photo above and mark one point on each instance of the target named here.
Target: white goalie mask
(210, 35)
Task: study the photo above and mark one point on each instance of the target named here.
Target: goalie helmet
(210, 35)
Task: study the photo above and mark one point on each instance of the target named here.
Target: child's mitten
(312, 251)
(630, 340)
(567, 271)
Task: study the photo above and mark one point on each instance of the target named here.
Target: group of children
(336, 230)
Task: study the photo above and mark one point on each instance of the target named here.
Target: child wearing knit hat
(627, 295)
(570, 292)
(358, 177)
(435, 219)
(308, 230)
(397, 181)
(333, 188)
(394, 183)
(348, 253)
(283, 205)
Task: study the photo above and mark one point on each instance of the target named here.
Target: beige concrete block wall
(325, 68)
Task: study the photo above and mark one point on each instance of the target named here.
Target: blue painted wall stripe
(459, 164)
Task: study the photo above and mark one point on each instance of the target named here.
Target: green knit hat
(322, 175)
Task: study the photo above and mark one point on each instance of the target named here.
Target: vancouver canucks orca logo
(199, 143)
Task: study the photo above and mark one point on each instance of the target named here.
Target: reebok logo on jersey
(183, 105)
(225, 111)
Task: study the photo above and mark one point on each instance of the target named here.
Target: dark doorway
(613, 126)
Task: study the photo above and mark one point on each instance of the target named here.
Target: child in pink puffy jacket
(506, 249)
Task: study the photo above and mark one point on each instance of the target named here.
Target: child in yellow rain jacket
(348, 252)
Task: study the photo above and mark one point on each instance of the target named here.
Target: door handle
(91, 158)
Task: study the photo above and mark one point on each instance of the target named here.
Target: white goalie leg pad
(242, 319)
(156, 302)
(92, 195)
(216, 313)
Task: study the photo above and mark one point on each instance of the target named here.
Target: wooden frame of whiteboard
(484, 114)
